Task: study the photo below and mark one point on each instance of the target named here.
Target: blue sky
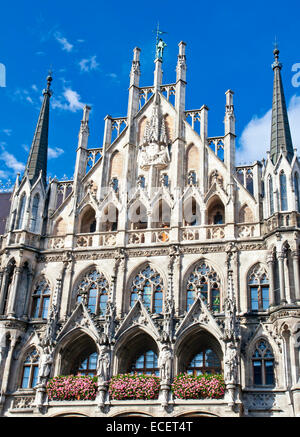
(89, 45)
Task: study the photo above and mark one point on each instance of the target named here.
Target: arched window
(89, 365)
(34, 212)
(205, 361)
(263, 364)
(296, 187)
(30, 370)
(191, 212)
(146, 363)
(88, 221)
(21, 212)
(259, 288)
(93, 290)
(271, 195)
(204, 280)
(41, 300)
(148, 282)
(283, 192)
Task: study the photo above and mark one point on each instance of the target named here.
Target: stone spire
(37, 160)
(280, 133)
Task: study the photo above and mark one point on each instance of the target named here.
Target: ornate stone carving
(165, 364)
(154, 148)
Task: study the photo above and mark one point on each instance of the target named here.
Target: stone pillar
(180, 78)
(270, 262)
(28, 297)
(6, 371)
(280, 257)
(295, 257)
(13, 291)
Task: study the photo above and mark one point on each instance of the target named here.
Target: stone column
(280, 257)
(295, 257)
(5, 276)
(270, 262)
(6, 371)
(28, 297)
(13, 291)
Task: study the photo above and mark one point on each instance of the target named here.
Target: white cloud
(89, 64)
(255, 138)
(72, 99)
(66, 45)
(54, 152)
(11, 161)
(7, 132)
(34, 87)
(4, 174)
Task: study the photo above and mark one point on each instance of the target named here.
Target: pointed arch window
(204, 280)
(283, 192)
(263, 364)
(259, 288)
(30, 370)
(146, 363)
(34, 213)
(296, 187)
(149, 284)
(21, 212)
(88, 366)
(271, 195)
(205, 361)
(93, 290)
(41, 300)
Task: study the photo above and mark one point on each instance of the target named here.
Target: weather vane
(160, 44)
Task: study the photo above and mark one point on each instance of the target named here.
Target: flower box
(134, 386)
(187, 386)
(69, 388)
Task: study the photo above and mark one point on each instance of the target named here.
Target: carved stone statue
(103, 364)
(45, 365)
(165, 363)
(231, 364)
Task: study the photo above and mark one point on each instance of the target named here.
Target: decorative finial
(276, 55)
(160, 44)
(49, 80)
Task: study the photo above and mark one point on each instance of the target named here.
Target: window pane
(265, 297)
(269, 372)
(257, 373)
(254, 298)
(35, 375)
(103, 302)
(158, 296)
(36, 307)
(46, 302)
(25, 380)
(133, 299)
(93, 361)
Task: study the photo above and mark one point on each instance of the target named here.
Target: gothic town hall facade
(160, 248)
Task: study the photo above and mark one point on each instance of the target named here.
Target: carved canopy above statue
(154, 147)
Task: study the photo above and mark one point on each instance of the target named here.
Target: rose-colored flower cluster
(134, 386)
(198, 387)
(70, 388)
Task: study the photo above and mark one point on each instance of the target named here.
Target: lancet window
(205, 281)
(30, 370)
(41, 300)
(263, 364)
(149, 284)
(259, 288)
(93, 291)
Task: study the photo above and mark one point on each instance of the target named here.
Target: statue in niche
(154, 148)
(45, 365)
(103, 364)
